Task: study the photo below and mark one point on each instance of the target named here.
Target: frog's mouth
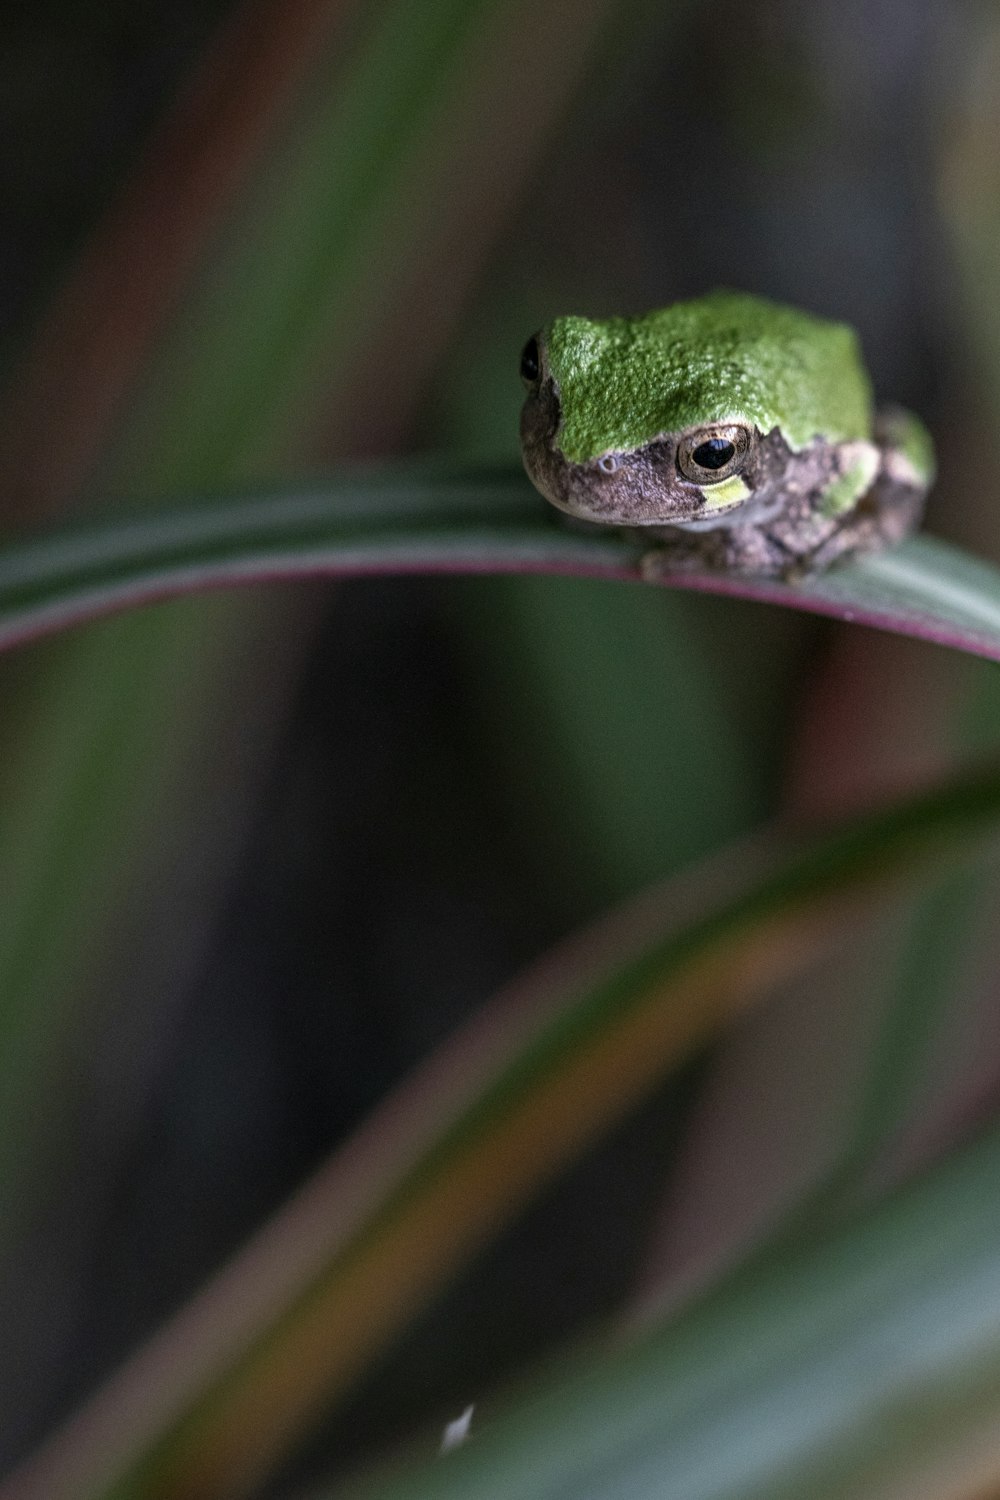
(627, 497)
(637, 489)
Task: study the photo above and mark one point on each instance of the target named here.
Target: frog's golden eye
(531, 363)
(710, 454)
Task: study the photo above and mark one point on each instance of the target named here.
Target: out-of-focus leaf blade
(337, 238)
(206, 1409)
(867, 1366)
(125, 286)
(448, 521)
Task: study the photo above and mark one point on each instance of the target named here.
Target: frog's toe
(667, 561)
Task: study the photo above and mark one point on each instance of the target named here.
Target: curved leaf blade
(453, 519)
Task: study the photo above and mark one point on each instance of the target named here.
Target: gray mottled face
(703, 477)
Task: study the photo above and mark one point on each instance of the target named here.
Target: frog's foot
(744, 551)
(882, 518)
(667, 560)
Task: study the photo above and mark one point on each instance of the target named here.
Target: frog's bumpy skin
(614, 407)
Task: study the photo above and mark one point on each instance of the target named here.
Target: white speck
(455, 1433)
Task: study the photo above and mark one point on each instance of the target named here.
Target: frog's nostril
(608, 464)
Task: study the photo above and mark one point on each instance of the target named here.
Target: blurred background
(259, 855)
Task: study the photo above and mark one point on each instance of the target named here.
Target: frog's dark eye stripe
(713, 454)
(709, 455)
(530, 362)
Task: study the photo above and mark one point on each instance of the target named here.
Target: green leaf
(275, 248)
(452, 519)
(864, 1366)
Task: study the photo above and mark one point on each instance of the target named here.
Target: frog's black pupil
(529, 361)
(715, 453)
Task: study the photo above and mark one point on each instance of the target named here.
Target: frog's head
(687, 415)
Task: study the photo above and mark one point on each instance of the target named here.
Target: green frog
(734, 433)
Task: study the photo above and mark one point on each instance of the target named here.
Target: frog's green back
(625, 381)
